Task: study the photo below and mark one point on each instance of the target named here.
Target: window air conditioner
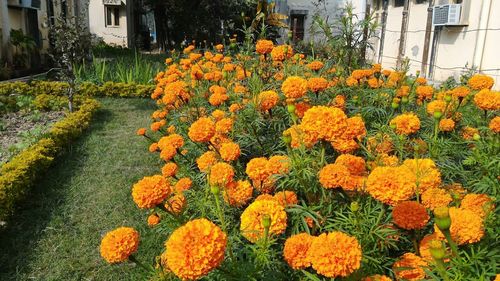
(445, 15)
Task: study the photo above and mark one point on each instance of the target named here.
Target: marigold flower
(206, 160)
(286, 197)
(182, 184)
(175, 140)
(258, 169)
(119, 244)
(466, 226)
(335, 246)
(155, 126)
(264, 46)
(295, 251)
(323, 122)
(278, 164)
(409, 267)
(480, 81)
(301, 108)
(282, 52)
(169, 169)
(150, 191)
(480, 204)
(238, 193)
(315, 65)
(202, 130)
(298, 137)
(434, 197)
(252, 227)
(446, 125)
(351, 82)
(355, 164)
(487, 100)
(460, 92)
(390, 185)
(410, 215)
(436, 106)
(495, 124)
(294, 87)
(141, 132)
(153, 220)
(194, 249)
(424, 173)
(377, 277)
(469, 132)
(424, 92)
(424, 246)
(268, 100)
(175, 204)
(229, 151)
(224, 126)
(221, 174)
(406, 124)
(153, 147)
(333, 176)
(317, 84)
(168, 152)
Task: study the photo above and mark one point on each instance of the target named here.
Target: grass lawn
(56, 232)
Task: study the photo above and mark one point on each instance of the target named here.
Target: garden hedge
(19, 174)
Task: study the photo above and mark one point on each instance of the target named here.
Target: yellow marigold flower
(194, 249)
(446, 125)
(480, 204)
(495, 124)
(175, 204)
(268, 100)
(182, 184)
(436, 106)
(278, 164)
(406, 124)
(424, 173)
(282, 52)
(202, 130)
(324, 122)
(264, 46)
(377, 277)
(410, 215)
(257, 169)
(285, 198)
(315, 65)
(295, 251)
(238, 193)
(355, 164)
(333, 176)
(206, 160)
(317, 84)
(410, 267)
(252, 227)
(434, 197)
(294, 87)
(221, 174)
(390, 185)
(119, 244)
(466, 226)
(150, 191)
(229, 151)
(480, 81)
(487, 100)
(169, 169)
(224, 126)
(335, 246)
(424, 92)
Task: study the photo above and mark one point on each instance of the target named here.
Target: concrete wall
(115, 35)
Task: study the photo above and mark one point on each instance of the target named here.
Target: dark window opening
(297, 24)
(399, 3)
(112, 16)
(421, 1)
(116, 12)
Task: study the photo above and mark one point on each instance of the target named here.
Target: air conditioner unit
(443, 15)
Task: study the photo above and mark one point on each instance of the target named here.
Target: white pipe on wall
(484, 14)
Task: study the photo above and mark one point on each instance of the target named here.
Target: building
(112, 20)
(461, 36)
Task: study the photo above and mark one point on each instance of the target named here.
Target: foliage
(23, 46)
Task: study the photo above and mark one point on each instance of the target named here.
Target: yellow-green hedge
(18, 175)
(109, 89)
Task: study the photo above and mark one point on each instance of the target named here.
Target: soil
(13, 124)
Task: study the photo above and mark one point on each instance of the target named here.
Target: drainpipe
(427, 38)
(484, 28)
(385, 4)
(4, 44)
(404, 28)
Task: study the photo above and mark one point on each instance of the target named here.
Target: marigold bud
(436, 249)
(266, 221)
(354, 206)
(442, 218)
(215, 190)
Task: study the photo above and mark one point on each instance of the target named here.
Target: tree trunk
(161, 23)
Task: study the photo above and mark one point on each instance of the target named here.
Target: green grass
(56, 232)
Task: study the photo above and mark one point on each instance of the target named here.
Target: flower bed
(20, 173)
(279, 167)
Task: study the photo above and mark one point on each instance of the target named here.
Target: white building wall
(113, 35)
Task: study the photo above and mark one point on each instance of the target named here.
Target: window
(112, 16)
(399, 3)
(421, 1)
(297, 27)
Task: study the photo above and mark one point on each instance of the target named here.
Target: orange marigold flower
(221, 174)
(217, 98)
(183, 184)
(265, 196)
(238, 193)
(224, 126)
(155, 126)
(324, 122)
(317, 84)
(469, 132)
(301, 108)
(315, 65)
(175, 140)
(194, 249)
(436, 106)
(424, 248)
(460, 92)
(390, 185)
(169, 169)
(410, 267)
(153, 147)
(264, 46)
(294, 87)
(119, 244)
(153, 220)
(377, 277)
(235, 107)
(350, 81)
(410, 215)
(434, 197)
(487, 100)
(268, 100)
(335, 246)
(282, 52)
(406, 124)
(495, 124)
(285, 198)
(278, 164)
(424, 173)
(295, 251)
(252, 227)
(421, 80)
(355, 164)
(424, 92)
(480, 204)
(141, 132)
(206, 160)
(168, 152)
(229, 151)
(446, 125)
(175, 204)
(480, 81)
(466, 226)
(150, 191)
(257, 169)
(202, 130)
(333, 176)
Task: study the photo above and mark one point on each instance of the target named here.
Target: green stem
(133, 259)
(441, 269)
(453, 245)
(223, 223)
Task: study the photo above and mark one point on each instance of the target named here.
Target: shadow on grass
(46, 198)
